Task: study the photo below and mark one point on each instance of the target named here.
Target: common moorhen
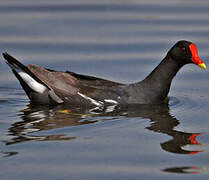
(46, 86)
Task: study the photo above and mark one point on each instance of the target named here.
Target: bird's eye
(183, 49)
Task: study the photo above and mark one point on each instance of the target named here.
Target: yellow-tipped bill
(202, 65)
(195, 58)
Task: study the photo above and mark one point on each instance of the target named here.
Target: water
(119, 40)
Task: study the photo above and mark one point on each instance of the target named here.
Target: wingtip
(5, 55)
(10, 59)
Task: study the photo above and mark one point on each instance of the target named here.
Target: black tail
(35, 88)
(14, 64)
(28, 80)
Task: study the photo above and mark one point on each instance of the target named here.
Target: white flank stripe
(36, 86)
(110, 108)
(90, 99)
(111, 101)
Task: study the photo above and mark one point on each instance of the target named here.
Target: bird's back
(80, 89)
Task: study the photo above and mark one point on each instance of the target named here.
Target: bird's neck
(165, 71)
(159, 80)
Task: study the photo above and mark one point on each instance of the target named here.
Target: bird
(50, 87)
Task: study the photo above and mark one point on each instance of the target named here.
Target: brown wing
(97, 88)
(60, 82)
(68, 84)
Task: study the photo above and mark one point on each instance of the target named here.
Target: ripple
(3, 101)
(174, 101)
(188, 103)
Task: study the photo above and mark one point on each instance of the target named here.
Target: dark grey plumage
(45, 86)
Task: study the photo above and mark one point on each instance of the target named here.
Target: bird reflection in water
(184, 170)
(165, 124)
(39, 118)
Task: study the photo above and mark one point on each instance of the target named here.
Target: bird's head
(185, 52)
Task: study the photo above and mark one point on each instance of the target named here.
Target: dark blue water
(120, 40)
